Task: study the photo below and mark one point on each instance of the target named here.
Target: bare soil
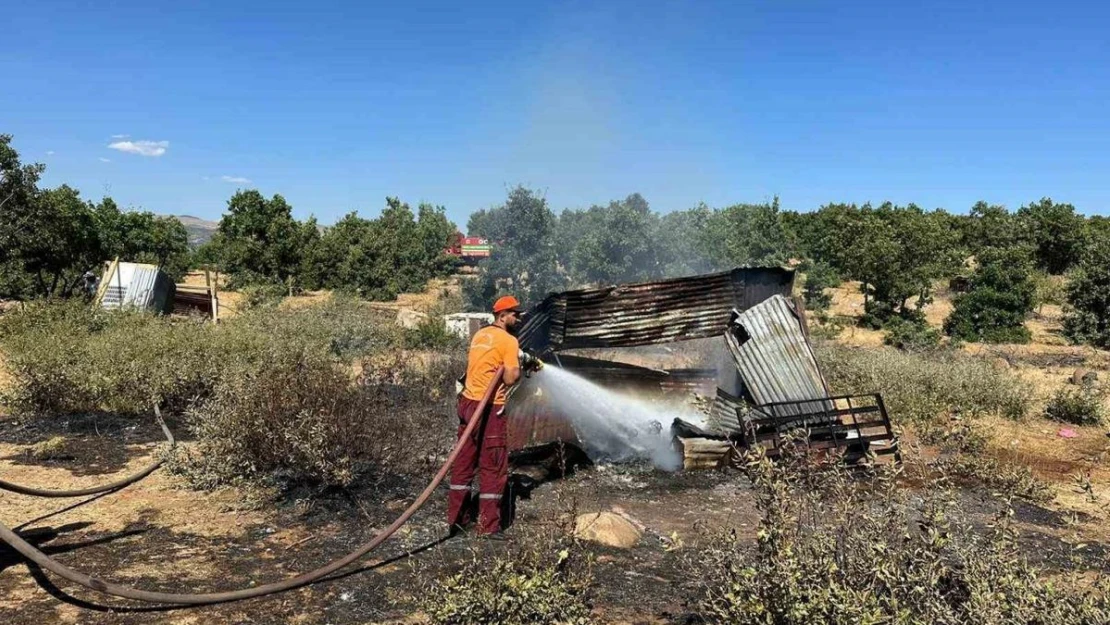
(159, 535)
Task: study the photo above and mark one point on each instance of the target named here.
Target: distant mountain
(200, 230)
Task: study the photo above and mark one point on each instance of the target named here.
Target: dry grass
(1044, 365)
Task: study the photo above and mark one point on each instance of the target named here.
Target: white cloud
(120, 136)
(50, 152)
(105, 160)
(235, 179)
(142, 148)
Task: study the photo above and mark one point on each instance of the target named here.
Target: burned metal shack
(761, 380)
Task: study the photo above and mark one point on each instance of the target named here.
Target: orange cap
(507, 302)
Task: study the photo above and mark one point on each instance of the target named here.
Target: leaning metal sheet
(775, 359)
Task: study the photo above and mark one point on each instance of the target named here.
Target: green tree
(142, 237)
(680, 245)
(524, 261)
(381, 258)
(895, 252)
(1057, 231)
(260, 241)
(991, 226)
(832, 235)
(819, 277)
(1002, 295)
(435, 231)
(609, 244)
(1087, 315)
(59, 243)
(747, 235)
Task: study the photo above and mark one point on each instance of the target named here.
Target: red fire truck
(469, 249)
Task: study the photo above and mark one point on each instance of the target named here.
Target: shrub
(910, 336)
(540, 584)
(819, 276)
(261, 294)
(1087, 315)
(68, 359)
(1050, 289)
(1015, 479)
(431, 333)
(831, 549)
(1081, 406)
(298, 417)
(918, 387)
(66, 362)
(1002, 295)
(271, 394)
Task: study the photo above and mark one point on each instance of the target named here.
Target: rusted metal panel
(725, 414)
(649, 313)
(775, 359)
(530, 430)
(690, 381)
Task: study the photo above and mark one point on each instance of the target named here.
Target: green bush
(260, 294)
(1081, 406)
(819, 276)
(918, 387)
(1002, 295)
(533, 585)
(1087, 315)
(297, 417)
(832, 549)
(269, 394)
(910, 336)
(1050, 289)
(64, 361)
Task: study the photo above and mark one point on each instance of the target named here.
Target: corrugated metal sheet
(695, 381)
(649, 312)
(137, 285)
(724, 414)
(140, 293)
(775, 360)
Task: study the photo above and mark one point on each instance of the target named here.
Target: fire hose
(92, 583)
(103, 488)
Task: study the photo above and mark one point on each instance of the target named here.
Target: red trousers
(484, 452)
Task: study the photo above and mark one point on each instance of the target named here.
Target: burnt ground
(159, 535)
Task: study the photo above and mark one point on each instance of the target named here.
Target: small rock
(1083, 376)
(1001, 363)
(608, 529)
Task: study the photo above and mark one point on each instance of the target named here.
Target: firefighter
(487, 451)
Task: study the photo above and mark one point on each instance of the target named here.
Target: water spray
(611, 425)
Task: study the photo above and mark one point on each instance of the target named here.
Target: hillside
(200, 230)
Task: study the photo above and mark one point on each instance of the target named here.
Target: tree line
(897, 254)
(50, 237)
(260, 244)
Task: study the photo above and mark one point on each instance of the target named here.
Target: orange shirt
(490, 348)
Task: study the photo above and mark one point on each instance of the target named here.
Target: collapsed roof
(649, 313)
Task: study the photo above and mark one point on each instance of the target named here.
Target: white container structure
(135, 285)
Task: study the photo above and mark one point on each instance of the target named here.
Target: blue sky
(337, 105)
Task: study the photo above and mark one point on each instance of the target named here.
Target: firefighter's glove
(529, 363)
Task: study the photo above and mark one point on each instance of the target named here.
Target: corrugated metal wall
(649, 313)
